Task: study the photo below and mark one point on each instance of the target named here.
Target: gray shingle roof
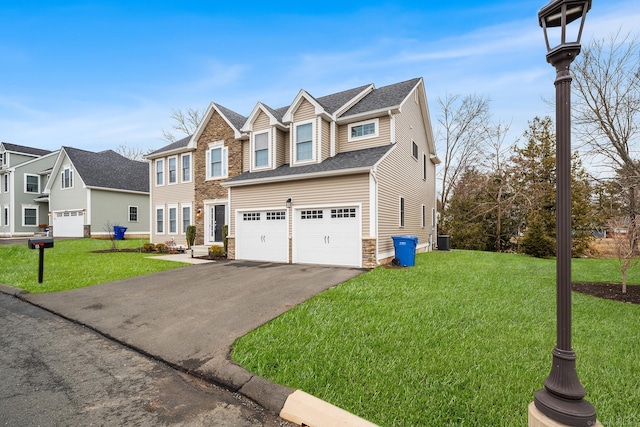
(173, 146)
(25, 150)
(237, 120)
(333, 102)
(108, 169)
(382, 98)
(340, 162)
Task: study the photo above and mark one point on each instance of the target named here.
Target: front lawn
(72, 264)
(462, 338)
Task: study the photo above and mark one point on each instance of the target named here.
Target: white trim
(168, 216)
(423, 213)
(224, 159)
(373, 206)
(376, 123)
(155, 174)
(252, 147)
(314, 142)
(319, 144)
(72, 177)
(35, 207)
(182, 156)
(129, 213)
(183, 229)
(25, 183)
(338, 172)
(155, 220)
(402, 211)
(177, 170)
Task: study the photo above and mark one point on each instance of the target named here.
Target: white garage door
(68, 224)
(262, 236)
(328, 236)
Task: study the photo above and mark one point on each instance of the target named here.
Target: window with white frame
(186, 167)
(67, 177)
(261, 150)
(160, 172)
(133, 214)
(186, 217)
(414, 150)
(31, 183)
(424, 166)
(6, 182)
(424, 216)
(217, 161)
(5, 215)
(173, 170)
(363, 130)
(173, 219)
(304, 142)
(159, 219)
(29, 215)
(401, 212)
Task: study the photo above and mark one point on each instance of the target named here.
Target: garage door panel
(328, 236)
(262, 236)
(68, 224)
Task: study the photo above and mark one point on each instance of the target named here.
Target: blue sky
(96, 75)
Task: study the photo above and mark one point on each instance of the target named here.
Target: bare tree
(622, 241)
(463, 123)
(185, 122)
(132, 153)
(607, 108)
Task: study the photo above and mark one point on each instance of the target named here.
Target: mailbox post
(40, 243)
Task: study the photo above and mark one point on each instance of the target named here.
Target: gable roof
(109, 170)
(342, 163)
(174, 146)
(233, 119)
(335, 101)
(383, 98)
(15, 148)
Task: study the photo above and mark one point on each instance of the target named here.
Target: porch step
(199, 250)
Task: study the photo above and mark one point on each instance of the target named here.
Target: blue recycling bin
(405, 249)
(119, 232)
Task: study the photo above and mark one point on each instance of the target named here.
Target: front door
(215, 219)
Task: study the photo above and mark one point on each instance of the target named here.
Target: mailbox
(40, 242)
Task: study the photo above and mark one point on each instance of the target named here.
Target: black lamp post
(561, 399)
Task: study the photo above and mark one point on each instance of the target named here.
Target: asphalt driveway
(189, 317)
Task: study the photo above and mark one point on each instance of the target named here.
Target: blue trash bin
(119, 232)
(405, 249)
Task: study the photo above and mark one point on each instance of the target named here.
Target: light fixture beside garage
(288, 202)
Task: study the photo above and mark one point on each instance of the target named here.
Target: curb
(292, 405)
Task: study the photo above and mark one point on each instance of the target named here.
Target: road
(54, 372)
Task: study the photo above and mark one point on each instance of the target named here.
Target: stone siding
(369, 253)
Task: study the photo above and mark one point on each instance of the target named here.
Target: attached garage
(262, 235)
(330, 236)
(68, 223)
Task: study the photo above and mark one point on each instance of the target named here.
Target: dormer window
(363, 130)
(67, 177)
(261, 150)
(304, 142)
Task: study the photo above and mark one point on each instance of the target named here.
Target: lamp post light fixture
(561, 399)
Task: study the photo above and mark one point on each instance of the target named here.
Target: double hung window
(217, 161)
(261, 150)
(304, 142)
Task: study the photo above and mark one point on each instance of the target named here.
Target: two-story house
(324, 180)
(23, 175)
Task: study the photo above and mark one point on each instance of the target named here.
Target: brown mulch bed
(609, 291)
(108, 251)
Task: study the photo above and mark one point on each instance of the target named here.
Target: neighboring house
(324, 180)
(91, 192)
(23, 174)
(172, 191)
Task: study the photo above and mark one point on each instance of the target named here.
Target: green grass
(462, 339)
(71, 264)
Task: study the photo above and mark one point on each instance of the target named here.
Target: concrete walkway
(190, 317)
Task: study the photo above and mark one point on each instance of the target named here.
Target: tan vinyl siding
(306, 111)
(383, 138)
(246, 156)
(311, 192)
(282, 147)
(326, 139)
(400, 175)
(166, 195)
(261, 122)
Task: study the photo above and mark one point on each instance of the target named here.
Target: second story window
(6, 182)
(217, 161)
(173, 170)
(31, 184)
(186, 168)
(67, 178)
(304, 142)
(261, 149)
(363, 130)
(160, 172)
